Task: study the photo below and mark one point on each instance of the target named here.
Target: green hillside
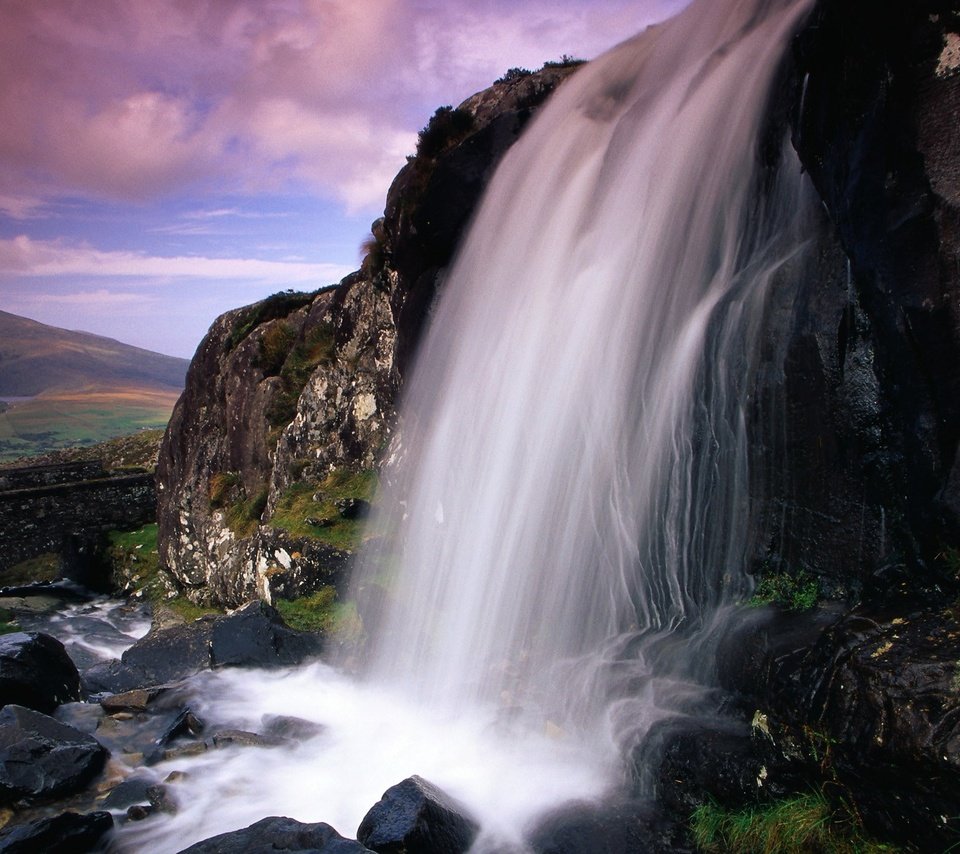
(36, 358)
(77, 388)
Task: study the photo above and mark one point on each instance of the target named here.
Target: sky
(163, 161)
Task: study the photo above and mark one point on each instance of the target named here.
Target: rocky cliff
(289, 403)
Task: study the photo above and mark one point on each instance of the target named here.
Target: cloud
(136, 100)
(24, 257)
(99, 299)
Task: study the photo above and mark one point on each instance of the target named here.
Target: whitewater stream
(566, 531)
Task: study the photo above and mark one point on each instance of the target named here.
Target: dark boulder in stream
(253, 636)
(279, 834)
(36, 672)
(41, 757)
(67, 833)
(416, 816)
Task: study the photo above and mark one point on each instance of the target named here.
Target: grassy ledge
(798, 825)
(310, 510)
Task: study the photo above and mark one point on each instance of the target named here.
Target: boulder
(620, 827)
(43, 757)
(279, 834)
(416, 816)
(67, 833)
(36, 672)
(252, 636)
(256, 636)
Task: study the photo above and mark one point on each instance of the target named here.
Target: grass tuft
(798, 825)
(798, 592)
(305, 504)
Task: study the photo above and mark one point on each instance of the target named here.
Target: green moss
(8, 622)
(318, 347)
(278, 305)
(221, 485)
(297, 505)
(45, 567)
(797, 825)
(135, 564)
(275, 346)
(244, 515)
(798, 592)
(320, 612)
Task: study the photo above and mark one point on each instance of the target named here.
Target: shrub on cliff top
(278, 305)
(446, 128)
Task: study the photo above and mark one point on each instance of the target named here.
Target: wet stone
(62, 834)
(40, 756)
(280, 834)
(415, 815)
(36, 672)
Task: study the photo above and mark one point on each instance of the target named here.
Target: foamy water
(372, 739)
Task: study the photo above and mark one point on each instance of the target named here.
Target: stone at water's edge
(279, 834)
(67, 833)
(617, 827)
(40, 757)
(252, 636)
(416, 816)
(36, 672)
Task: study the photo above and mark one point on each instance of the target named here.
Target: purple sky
(162, 161)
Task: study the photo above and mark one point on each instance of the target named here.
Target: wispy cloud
(136, 100)
(24, 257)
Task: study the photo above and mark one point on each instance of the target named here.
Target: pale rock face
(242, 420)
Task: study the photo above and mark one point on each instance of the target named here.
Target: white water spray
(574, 473)
(570, 519)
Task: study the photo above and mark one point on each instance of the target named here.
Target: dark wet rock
(137, 700)
(727, 762)
(85, 717)
(253, 636)
(279, 834)
(873, 700)
(415, 815)
(353, 508)
(242, 738)
(289, 727)
(193, 748)
(36, 672)
(621, 827)
(134, 790)
(256, 636)
(67, 833)
(43, 757)
(171, 654)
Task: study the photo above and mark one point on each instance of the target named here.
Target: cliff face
(289, 403)
(859, 434)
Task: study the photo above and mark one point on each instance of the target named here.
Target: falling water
(573, 484)
(567, 526)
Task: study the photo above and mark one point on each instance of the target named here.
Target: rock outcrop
(295, 396)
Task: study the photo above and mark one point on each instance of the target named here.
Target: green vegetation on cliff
(311, 510)
(804, 823)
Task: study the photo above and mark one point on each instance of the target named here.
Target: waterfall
(572, 486)
(566, 527)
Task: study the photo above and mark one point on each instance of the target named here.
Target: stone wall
(67, 517)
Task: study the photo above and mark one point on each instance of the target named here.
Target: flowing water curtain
(574, 489)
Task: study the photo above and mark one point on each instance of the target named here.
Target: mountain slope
(36, 358)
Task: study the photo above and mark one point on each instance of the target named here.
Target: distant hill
(36, 358)
(79, 388)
